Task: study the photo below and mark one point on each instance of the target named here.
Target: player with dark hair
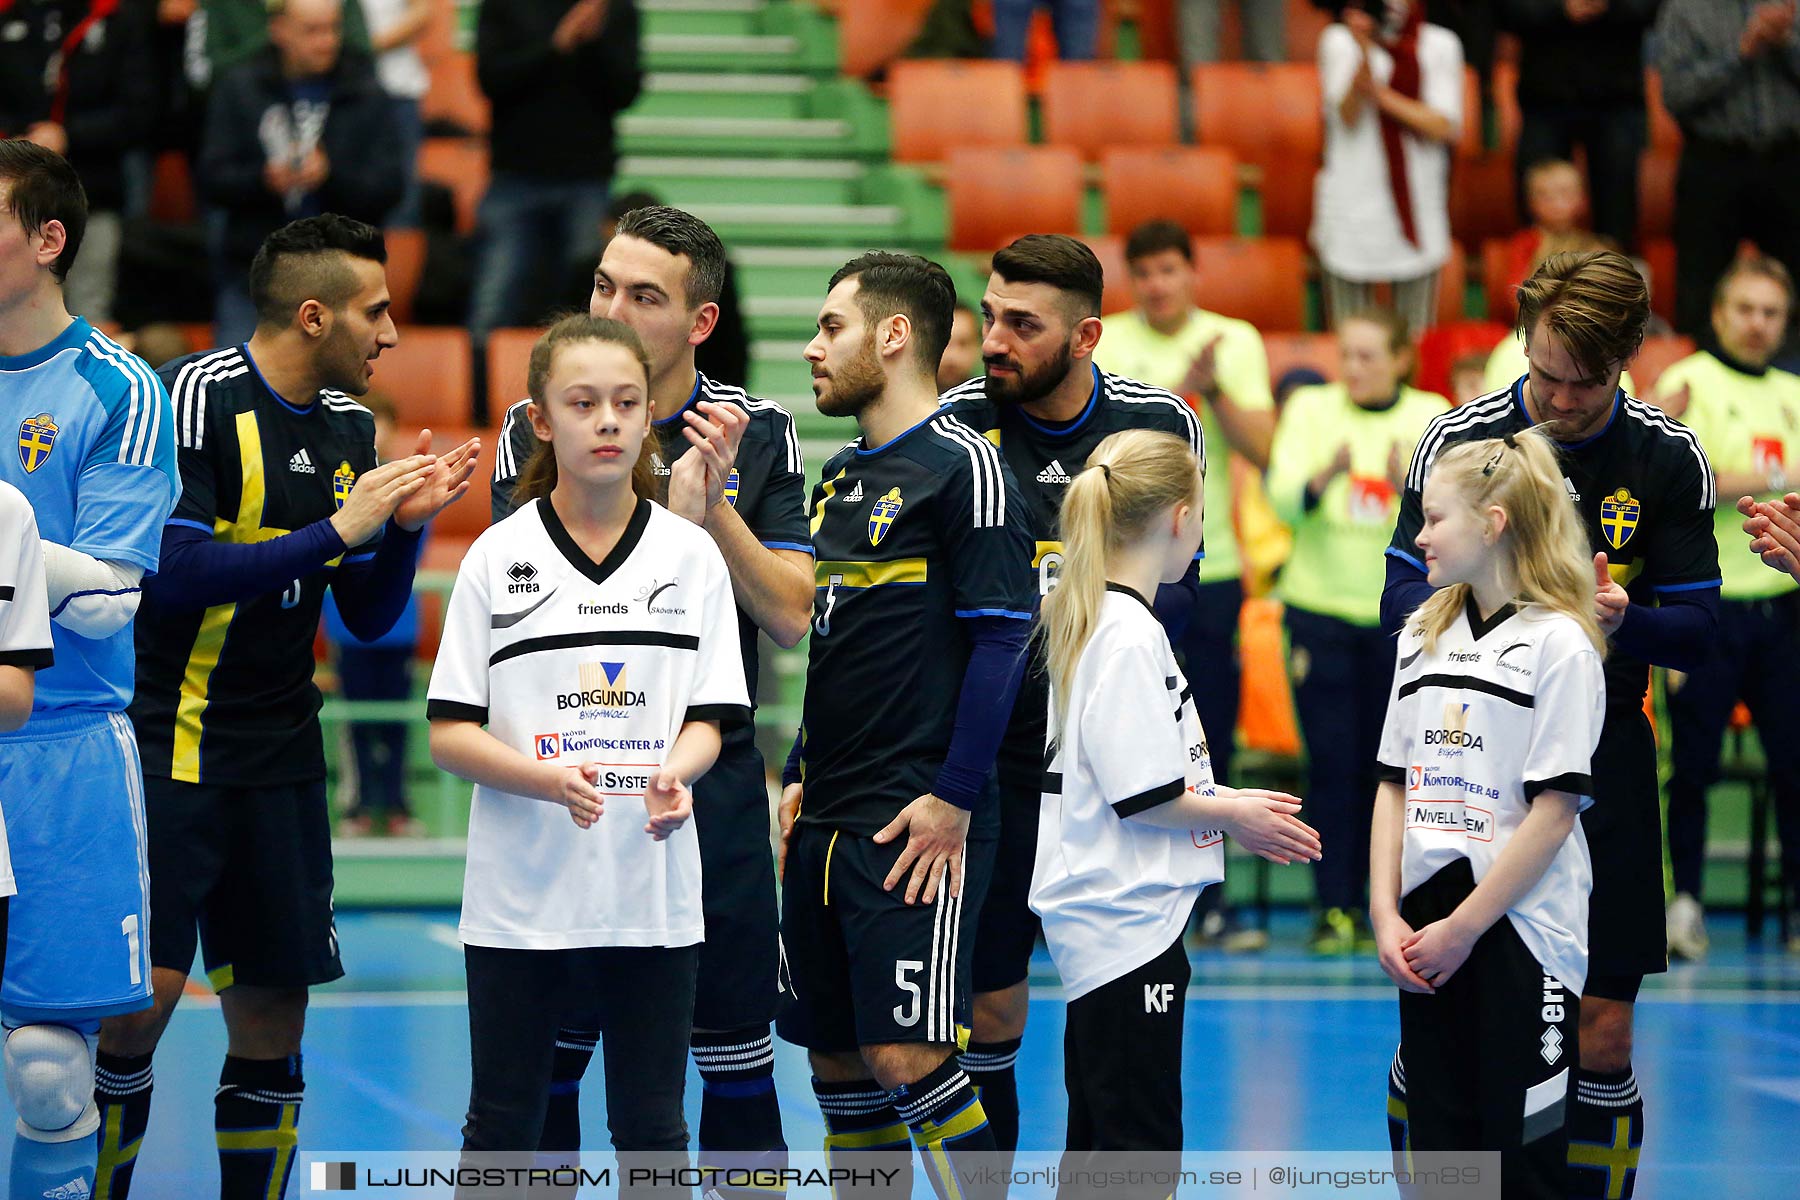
(924, 542)
(1646, 495)
(96, 461)
(281, 497)
(1046, 404)
(661, 274)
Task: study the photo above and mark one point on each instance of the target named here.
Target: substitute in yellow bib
(1219, 364)
(1747, 415)
(1336, 472)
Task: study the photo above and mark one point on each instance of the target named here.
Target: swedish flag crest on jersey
(1619, 517)
(731, 488)
(882, 516)
(342, 480)
(37, 435)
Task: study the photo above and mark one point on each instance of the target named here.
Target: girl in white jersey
(1132, 825)
(1479, 871)
(588, 660)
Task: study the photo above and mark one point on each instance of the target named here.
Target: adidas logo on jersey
(1053, 473)
(854, 495)
(302, 463)
(75, 1189)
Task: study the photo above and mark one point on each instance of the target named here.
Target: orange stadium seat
(934, 107)
(1659, 256)
(471, 515)
(1453, 285)
(460, 164)
(1665, 134)
(1483, 203)
(198, 335)
(1269, 114)
(870, 36)
(1261, 280)
(1305, 22)
(1290, 350)
(1656, 193)
(1095, 106)
(405, 266)
(1110, 251)
(455, 94)
(172, 199)
(1266, 706)
(427, 376)
(1495, 284)
(994, 191)
(1657, 355)
(1194, 186)
(508, 358)
(1440, 346)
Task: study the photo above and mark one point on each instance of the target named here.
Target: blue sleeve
(790, 770)
(372, 590)
(1404, 591)
(1175, 602)
(990, 683)
(128, 480)
(198, 572)
(1676, 633)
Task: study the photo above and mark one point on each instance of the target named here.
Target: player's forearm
(983, 707)
(90, 596)
(468, 751)
(16, 690)
(695, 750)
(197, 572)
(775, 591)
(1520, 864)
(1189, 810)
(1387, 830)
(1418, 116)
(1678, 633)
(372, 595)
(1248, 433)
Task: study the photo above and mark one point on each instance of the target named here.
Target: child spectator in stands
(1393, 107)
(378, 670)
(1557, 200)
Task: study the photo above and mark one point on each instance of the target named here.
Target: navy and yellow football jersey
(226, 694)
(767, 485)
(1642, 485)
(912, 538)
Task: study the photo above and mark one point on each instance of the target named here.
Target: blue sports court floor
(1283, 1052)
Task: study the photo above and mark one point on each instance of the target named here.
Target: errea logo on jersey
(523, 575)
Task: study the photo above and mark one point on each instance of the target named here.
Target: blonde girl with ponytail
(1132, 825)
(1479, 870)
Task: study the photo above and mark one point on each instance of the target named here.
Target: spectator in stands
(964, 351)
(1076, 23)
(1393, 105)
(1581, 83)
(235, 31)
(1220, 365)
(1747, 416)
(378, 670)
(557, 73)
(395, 27)
(1468, 377)
(1556, 201)
(74, 79)
(1731, 78)
(299, 129)
(1263, 22)
(1336, 473)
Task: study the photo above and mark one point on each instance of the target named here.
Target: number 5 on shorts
(902, 968)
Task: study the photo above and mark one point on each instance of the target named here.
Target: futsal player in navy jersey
(1646, 495)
